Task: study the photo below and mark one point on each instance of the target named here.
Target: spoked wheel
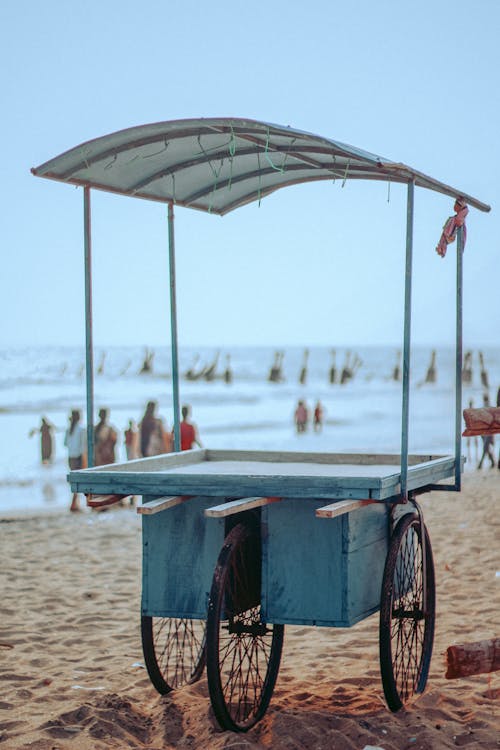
(243, 652)
(174, 651)
(407, 613)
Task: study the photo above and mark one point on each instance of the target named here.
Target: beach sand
(71, 664)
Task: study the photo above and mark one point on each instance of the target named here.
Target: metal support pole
(173, 328)
(423, 543)
(89, 351)
(407, 342)
(458, 363)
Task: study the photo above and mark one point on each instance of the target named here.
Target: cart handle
(101, 501)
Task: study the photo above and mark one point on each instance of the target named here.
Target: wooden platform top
(225, 473)
(283, 469)
(292, 463)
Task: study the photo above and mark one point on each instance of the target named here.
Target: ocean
(361, 415)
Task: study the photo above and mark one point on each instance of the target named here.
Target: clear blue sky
(314, 264)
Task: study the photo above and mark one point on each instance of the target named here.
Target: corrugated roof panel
(219, 164)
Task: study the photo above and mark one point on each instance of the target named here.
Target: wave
(239, 427)
(57, 477)
(36, 407)
(7, 482)
(124, 403)
(265, 426)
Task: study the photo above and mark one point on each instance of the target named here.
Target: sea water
(361, 415)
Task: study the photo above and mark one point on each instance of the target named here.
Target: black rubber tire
(406, 621)
(174, 651)
(243, 653)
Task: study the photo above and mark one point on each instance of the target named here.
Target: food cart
(238, 544)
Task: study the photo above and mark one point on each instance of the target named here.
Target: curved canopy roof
(221, 163)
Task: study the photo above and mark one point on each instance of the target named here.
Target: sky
(315, 264)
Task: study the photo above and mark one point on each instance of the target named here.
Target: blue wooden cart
(238, 544)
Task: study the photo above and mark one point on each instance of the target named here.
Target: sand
(71, 665)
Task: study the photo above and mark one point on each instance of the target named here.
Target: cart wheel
(243, 652)
(406, 620)
(174, 651)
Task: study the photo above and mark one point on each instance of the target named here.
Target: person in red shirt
(189, 432)
(318, 417)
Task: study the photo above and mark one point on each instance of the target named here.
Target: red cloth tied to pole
(450, 228)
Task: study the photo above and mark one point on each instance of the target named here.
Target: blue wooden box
(180, 551)
(314, 571)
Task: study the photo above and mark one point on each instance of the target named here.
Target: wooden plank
(359, 459)
(420, 475)
(163, 462)
(431, 473)
(473, 658)
(328, 487)
(161, 503)
(237, 506)
(344, 506)
(101, 501)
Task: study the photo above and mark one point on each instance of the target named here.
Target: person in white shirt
(75, 442)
